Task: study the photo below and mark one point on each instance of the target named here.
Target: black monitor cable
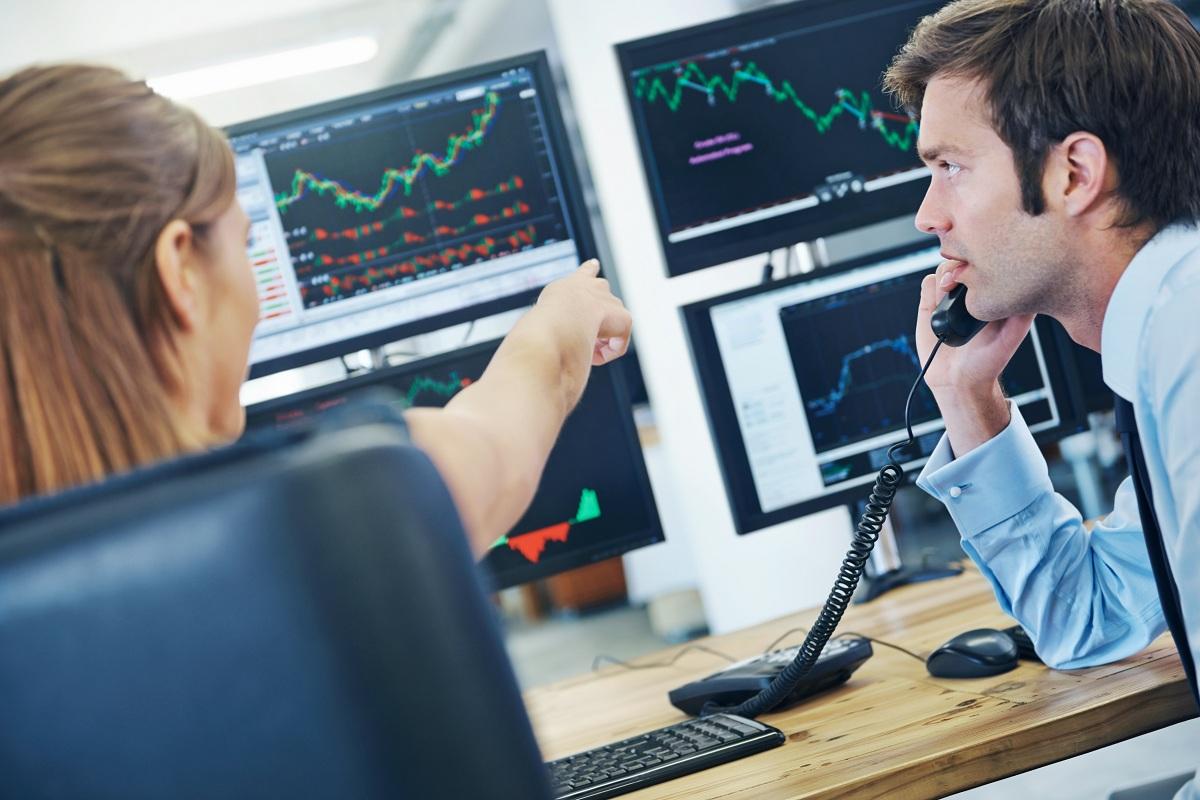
(866, 533)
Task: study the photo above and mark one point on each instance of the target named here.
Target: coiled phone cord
(865, 535)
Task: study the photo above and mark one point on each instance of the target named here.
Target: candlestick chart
(413, 194)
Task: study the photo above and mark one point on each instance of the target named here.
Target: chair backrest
(297, 617)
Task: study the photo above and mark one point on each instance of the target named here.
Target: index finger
(590, 268)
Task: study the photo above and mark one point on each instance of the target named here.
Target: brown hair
(92, 167)
(1127, 71)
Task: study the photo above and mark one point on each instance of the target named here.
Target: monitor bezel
(574, 208)
(653, 534)
(721, 415)
(783, 234)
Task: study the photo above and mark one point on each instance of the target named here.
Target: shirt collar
(1133, 299)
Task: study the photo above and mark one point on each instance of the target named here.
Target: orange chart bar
(532, 545)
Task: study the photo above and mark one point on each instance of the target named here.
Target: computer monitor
(771, 127)
(408, 209)
(594, 501)
(805, 380)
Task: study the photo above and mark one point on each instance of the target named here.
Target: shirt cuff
(993, 482)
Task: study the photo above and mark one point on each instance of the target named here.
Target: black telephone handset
(951, 322)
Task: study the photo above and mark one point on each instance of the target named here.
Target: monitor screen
(406, 210)
(594, 501)
(772, 128)
(805, 382)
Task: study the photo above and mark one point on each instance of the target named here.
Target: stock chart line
(403, 213)
(338, 285)
(517, 209)
(859, 106)
(531, 545)
(408, 238)
(344, 197)
(483, 248)
(826, 405)
(475, 195)
(426, 384)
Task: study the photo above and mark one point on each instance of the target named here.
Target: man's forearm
(972, 418)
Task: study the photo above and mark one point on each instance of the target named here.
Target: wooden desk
(893, 730)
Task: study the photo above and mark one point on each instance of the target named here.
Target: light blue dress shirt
(1088, 598)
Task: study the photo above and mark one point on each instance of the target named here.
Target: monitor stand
(885, 570)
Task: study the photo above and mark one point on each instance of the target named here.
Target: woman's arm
(491, 441)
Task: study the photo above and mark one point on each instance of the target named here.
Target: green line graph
(346, 197)
(446, 389)
(858, 105)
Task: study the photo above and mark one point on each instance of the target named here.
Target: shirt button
(956, 492)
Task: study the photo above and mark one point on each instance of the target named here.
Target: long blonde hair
(92, 167)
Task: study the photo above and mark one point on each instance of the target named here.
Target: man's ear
(174, 257)
(1085, 174)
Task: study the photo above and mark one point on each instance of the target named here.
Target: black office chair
(295, 617)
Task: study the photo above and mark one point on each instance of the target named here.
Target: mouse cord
(866, 533)
(885, 644)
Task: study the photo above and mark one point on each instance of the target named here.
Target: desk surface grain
(892, 730)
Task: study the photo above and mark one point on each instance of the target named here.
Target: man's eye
(950, 169)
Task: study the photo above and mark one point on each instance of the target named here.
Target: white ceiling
(152, 38)
(55, 30)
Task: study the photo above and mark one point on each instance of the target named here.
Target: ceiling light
(266, 68)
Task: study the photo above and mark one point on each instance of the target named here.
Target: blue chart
(854, 360)
(828, 404)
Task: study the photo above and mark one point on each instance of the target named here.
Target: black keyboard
(741, 681)
(658, 756)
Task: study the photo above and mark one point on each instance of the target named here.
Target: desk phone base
(745, 679)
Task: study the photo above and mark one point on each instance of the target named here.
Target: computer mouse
(974, 654)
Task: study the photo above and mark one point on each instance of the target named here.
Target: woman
(127, 307)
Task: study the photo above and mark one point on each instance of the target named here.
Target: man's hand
(965, 380)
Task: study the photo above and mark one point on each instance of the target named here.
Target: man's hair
(1127, 71)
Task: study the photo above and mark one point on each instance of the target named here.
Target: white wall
(742, 580)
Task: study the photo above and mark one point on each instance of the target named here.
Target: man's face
(1012, 259)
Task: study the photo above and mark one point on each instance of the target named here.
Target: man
(1064, 141)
